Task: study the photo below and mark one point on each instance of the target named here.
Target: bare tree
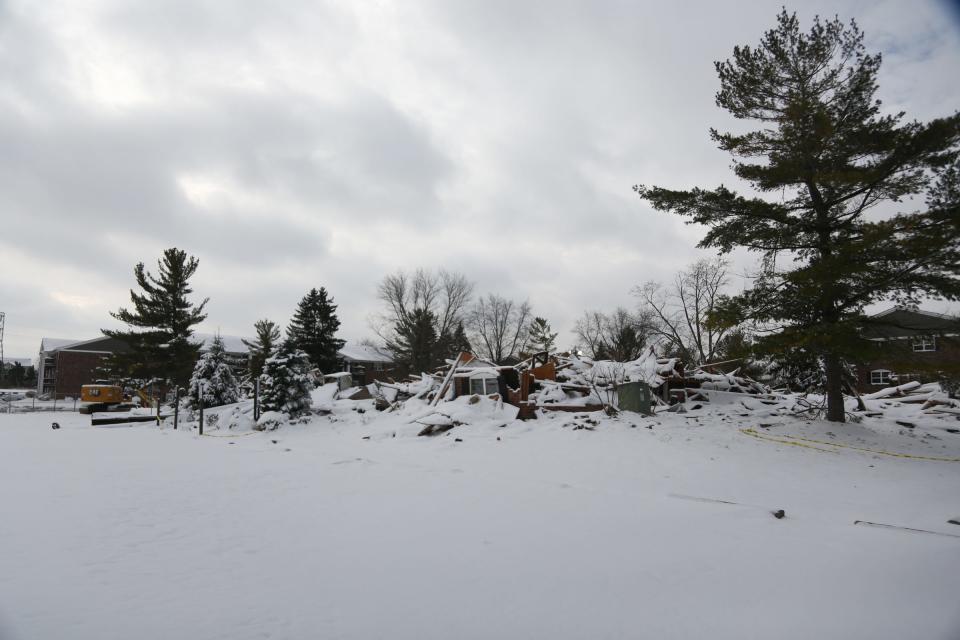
(500, 327)
(680, 311)
(444, 294)
(619, 336)
(589, 332)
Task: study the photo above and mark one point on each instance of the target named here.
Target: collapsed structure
(567, 382)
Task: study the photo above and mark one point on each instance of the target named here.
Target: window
(880, 376)
(484, 386)
(378, 366)
(925, 343)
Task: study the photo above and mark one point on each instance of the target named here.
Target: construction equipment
(97, 398)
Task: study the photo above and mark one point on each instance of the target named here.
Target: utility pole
(3, 363)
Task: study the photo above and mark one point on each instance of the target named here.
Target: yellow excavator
(96, 398)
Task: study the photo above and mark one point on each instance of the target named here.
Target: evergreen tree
(30, 376)
(286, 383)
(313, 329)
(161, 322)
(213, 371)
(414, 342)
(828, 155)
(541, 337)
(451, 345)
(15, 375)
(268, 337)
(459, 342)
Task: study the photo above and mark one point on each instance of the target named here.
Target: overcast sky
(291, 145)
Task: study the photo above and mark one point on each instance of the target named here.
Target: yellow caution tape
(752, 432)
(229, 435)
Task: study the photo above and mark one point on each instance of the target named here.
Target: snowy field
(351, 526)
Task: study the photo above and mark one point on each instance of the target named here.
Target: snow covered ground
(351, 526)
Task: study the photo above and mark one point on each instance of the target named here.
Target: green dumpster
(635, 396)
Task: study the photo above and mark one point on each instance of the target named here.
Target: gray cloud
(303, 144)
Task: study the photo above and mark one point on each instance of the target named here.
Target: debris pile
(930, 396)
(562, 382)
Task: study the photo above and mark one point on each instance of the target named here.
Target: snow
(571, 526)
(364, 353)
(232, 344)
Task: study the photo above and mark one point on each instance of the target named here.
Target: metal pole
(200, 400)
(256, 399)
(176, 408)
(3, 361)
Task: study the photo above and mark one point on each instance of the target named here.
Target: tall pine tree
(827, 155)
(541, 337)
(458, 342)
(161, 322)
(266, 342)
(314, 327)
(414, 342)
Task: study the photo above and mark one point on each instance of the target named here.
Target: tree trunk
(834, 371)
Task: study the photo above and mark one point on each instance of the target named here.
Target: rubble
(931, 397)
(564, 382)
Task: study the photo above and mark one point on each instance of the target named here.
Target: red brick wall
(74, 369)
(898, 356)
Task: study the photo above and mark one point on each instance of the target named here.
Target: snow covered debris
(575, 525)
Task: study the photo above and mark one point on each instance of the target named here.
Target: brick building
(367, 363)
(63, 366)
(911, 345)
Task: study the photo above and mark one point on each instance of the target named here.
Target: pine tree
(450, 345)
(268, 337)
(286, 383)
(541, 337)
(827, 155)
(313, 329)
(214, 373)
(414, 342)
(459, 343)
(160, 321)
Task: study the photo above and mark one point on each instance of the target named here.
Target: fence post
(256, 399)
(200, 400)
(176, 407)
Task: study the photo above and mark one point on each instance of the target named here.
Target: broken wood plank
(446, 380)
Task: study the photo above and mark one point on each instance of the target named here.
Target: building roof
(904, 323)
(100, 343)
(233, 344)
(364, 353)
(49, 344)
